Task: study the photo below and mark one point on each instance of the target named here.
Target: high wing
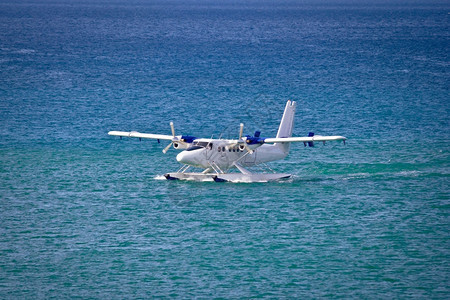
(178, 142)
(316, 138)
(136, 134)
(141, 135)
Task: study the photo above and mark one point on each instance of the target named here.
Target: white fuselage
(225, 154)
(217, 156)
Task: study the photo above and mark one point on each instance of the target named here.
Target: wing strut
(242, 169)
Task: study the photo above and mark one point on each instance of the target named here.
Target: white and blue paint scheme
(218, 156)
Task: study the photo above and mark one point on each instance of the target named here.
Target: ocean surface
(87, 215)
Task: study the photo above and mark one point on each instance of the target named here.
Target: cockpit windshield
(193, 148)
(200, 145)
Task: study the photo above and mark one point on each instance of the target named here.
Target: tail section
(286, 125)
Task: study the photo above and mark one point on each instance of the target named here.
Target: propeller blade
(241, 130)
(172, 128)
(248, 149)
(167, 148)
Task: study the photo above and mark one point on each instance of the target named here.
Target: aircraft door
(209, 151)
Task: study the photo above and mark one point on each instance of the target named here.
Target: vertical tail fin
(286, 125)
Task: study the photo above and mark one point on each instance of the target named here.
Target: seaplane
(229, 160)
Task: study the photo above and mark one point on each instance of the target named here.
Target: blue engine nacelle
(256, 139)
(188, 138)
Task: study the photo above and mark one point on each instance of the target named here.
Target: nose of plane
(191, 158)
(182, 157)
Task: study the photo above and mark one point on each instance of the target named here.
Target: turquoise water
(86, 215)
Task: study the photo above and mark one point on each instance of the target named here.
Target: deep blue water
(85, 215)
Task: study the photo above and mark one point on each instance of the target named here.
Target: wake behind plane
(217, 157)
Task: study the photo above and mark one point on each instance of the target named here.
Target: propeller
(172, 128)
(241, 141)
(174, 138)
(167, 148)
(241, 130)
